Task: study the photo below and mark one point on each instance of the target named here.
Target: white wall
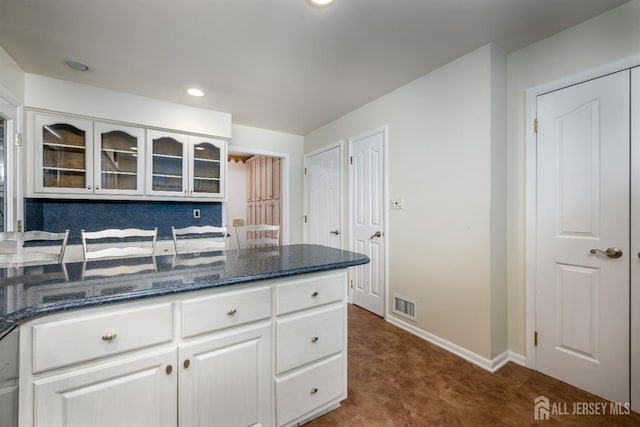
(67, 97)
(261, 141)
(236, 205)
(440, 161)
(604, 39)
(11, 80)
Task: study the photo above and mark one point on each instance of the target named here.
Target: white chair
(199, 239)
(257, 235)
(36, 254)
(127, 248)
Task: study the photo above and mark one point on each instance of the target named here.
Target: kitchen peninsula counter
(239, 337)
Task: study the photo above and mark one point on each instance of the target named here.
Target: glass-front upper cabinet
(64, 154)
(208, 160)
(185, 165)
(167, 157)
(119, 159)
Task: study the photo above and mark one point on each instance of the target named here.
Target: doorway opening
(256, 191)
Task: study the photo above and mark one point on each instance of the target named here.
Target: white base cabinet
(132, 393)
(262, 354)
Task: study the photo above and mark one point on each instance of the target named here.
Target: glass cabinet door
(206, 167)
(64, 154)
(119, 161)
(167, 158)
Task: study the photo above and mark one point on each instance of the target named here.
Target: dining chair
(47, 252)
(257, 235)
(135, 242)
(199, 239)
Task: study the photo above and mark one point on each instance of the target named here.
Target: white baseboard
(492, 365)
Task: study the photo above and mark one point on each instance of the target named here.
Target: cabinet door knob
(314, 294)
(109, 336)
(314, 339)
(313, 391)
(231, 312)
(186, 364)
(169, 369)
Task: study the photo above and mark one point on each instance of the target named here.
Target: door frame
(531, 189)
(305, 192)
(13, 167)
(385, 210)
(284, 182)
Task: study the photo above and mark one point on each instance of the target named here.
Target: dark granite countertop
(26, 292)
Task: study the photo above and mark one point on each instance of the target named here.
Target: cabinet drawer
(309, 336)
(311, 292)
(225, 310)
(299, 394)
(64, 342)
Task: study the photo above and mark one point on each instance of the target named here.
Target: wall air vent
(404, 307)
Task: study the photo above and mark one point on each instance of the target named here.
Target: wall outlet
(397, 204)
(196, 213)
(238, 222)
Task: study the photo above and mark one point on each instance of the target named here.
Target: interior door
(582, 273)
(367, 215)
(323, 180)
(634, 255)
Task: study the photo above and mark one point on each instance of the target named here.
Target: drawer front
(310, 336)
(64, 342)
(298, 395)
(310, 292)
(225, 310)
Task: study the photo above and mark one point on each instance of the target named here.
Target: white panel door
(634, 255)
(582, 293)
(323, 181)
(367, 219)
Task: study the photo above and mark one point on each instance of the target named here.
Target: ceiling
(274, 64)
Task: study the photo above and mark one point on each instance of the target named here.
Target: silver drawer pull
(314, 294)
(314, 339)
(313, 391)
(109, 336)
(231, 312)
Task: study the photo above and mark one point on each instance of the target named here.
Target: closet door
(583, 259)
(635, 239)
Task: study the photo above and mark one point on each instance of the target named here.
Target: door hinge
(351, 283)
(305, 171)
(19, 225)
(535, 125)
(350, 160)
(535, 338)
(305, 218)
(18, 139)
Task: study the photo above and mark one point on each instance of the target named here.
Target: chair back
(257, 235)
(129, 248)
(36, 254)
(199, 239)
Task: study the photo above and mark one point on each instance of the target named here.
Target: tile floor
(398, 379)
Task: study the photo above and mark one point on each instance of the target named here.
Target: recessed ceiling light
(78, 66)
(193, 91)
(320, 3)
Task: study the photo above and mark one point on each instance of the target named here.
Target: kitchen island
(249, 337)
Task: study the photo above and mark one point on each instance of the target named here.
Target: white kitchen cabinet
(225, 380)
(194, 359)
(9, 379)
(311, 346)
(138, 391)
(63, 158)
(185, 165)
(118, 159)
(83, 157)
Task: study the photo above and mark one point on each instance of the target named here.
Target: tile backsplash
(75, 215)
